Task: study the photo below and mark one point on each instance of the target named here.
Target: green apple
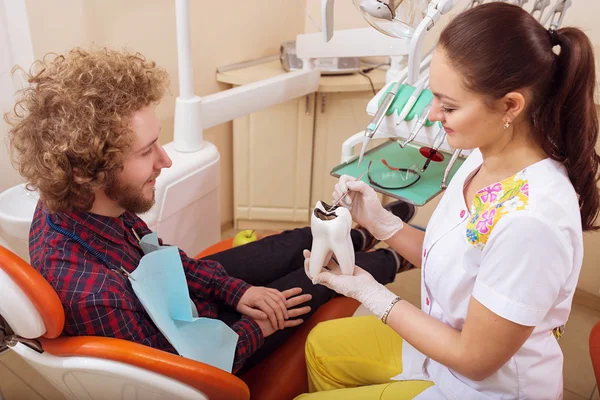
(244, 237)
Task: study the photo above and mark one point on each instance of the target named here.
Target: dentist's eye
(147, 152)
(446, 109)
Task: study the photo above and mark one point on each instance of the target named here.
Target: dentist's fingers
(324, 278)
(358, 186)
(307, 268)
(341, 185)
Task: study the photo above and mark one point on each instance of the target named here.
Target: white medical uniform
(517, 250)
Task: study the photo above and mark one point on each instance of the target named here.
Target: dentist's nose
(436, 113)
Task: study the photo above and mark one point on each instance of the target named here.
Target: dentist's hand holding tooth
(360, 286)
(366, 209)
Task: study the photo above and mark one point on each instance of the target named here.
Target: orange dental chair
(90, 367)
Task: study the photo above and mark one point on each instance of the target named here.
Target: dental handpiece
(437, 142)
(419, 125)
(381, 111)
(449, 167)
(376, 121)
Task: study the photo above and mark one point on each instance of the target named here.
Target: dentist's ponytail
(566, 123)
(500, 48)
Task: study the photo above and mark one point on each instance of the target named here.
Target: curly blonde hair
(69, 130)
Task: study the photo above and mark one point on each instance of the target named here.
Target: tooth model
(331, 235)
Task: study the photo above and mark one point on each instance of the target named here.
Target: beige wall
(221, 35)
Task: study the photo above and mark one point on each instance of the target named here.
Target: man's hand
(293, 299)
(263, 303)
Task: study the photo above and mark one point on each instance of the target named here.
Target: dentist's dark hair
(500, 48)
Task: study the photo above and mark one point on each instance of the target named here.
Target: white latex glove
(366, 209)
(360, 286)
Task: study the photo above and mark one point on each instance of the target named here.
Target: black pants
(277, 262)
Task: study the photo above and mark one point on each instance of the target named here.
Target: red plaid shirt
(99, 301)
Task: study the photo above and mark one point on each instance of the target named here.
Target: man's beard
(129, 197)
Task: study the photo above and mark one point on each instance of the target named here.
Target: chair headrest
(27, 301)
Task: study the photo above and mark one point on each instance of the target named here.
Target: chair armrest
(594, 343)
(213, 382)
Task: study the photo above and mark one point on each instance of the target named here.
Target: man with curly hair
(85, 135)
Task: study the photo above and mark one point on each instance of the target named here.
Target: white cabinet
(282, 156)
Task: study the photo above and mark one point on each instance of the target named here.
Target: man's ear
(79, 178)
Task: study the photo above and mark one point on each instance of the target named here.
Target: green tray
(418, 194)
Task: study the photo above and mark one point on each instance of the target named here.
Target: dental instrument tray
(424, 186)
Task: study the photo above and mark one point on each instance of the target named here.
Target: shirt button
(427, 300)
(462, 213)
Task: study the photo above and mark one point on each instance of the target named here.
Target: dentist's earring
(506, 124)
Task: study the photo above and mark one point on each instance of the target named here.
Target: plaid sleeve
(251, 339)
(100, 314)
(209, 280)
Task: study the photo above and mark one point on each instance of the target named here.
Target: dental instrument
(335, 204)
(437, 142)
(379, 115)
(557, 14)
(389, 99)
(519, 3)
(419, 125)
(475, 3)
(449, 168)
(539, 6)
(413, 98)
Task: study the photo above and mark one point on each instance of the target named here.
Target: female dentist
(503, 250)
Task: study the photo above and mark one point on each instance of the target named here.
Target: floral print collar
(493, 202)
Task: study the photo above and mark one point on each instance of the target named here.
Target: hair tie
(553, 37)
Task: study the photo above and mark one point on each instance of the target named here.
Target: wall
(15, 47)
(221, 35)
(582, 13)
